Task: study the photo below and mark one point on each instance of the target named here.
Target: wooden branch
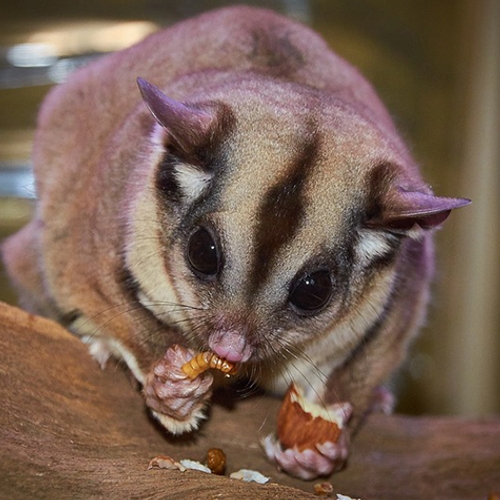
(70, 430)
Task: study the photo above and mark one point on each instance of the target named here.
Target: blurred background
(437, 67)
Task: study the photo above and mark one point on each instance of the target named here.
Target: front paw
(312, 439)
(324, 459)
(176, 400)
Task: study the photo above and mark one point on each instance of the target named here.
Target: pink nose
(230, 345)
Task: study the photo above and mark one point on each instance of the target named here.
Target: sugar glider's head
(271, 214)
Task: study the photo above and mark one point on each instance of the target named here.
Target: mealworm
(206, 360)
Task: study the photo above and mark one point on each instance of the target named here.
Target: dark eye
(312, 292)
(203, 254)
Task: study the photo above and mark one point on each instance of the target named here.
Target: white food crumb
(344, 497)
(249, 476)
(194, 465)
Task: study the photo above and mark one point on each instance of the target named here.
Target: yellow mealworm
(206, 360)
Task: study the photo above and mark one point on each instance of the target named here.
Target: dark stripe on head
(281, 213)
(67, 318)
(373, 331)
(380, 263)
(166, 183)
(128, 281)
(276, 55)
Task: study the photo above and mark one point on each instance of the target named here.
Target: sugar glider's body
(283, 155)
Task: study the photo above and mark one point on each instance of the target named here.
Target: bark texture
(71, 430)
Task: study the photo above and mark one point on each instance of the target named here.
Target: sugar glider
(230, 184)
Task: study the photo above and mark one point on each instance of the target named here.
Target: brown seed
(216, 461)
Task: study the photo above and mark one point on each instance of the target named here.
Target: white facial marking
(371, 245)
(192, 180)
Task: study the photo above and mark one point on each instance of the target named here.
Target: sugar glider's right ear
(404, 210)
(188, 126)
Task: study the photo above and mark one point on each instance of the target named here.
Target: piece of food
(206, 360)
(250, 476)
(165, 462)
(303, 425)
(323, 489)
(216, 461)
(194, 465)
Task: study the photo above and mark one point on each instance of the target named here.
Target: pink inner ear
(405, 209)
(187, 126)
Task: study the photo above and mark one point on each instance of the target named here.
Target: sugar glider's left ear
(403, 210)
(188, 126)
